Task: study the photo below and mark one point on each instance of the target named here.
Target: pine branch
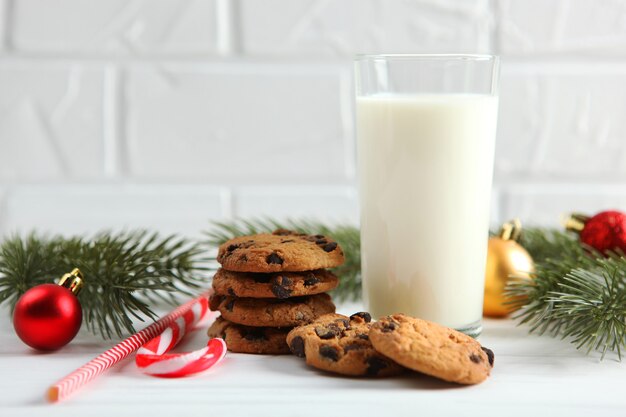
(349, 287)
(123, 273)
(592, 305)
(575, 292)
(548, 248)
(544, 244)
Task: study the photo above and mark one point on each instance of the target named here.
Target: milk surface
(425, 173)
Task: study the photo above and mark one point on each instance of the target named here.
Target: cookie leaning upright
(282, 250)
(432, 349)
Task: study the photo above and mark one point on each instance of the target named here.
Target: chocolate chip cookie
(272, 312)
(341, 344)
(282, 250)
(431, 349)
(244, 339)
(277, 285)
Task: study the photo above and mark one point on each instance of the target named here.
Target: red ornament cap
(605, 231)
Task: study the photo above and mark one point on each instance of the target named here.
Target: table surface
(532, 374)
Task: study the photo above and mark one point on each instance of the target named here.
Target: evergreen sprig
(575, 292)
(124, 273)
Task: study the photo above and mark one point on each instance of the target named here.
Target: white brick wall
(114, 27)
(562, 121)
(168, 113)
(342, 28)
(86, 208)
(238, 122)
(562, 27)
(51, 120)
(328, 203)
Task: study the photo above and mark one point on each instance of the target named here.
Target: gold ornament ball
(504, 257)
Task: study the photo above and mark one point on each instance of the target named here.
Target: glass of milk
(426, 127)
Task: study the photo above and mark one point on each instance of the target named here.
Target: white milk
(425, 166)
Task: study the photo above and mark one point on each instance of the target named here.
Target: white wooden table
(533, 376)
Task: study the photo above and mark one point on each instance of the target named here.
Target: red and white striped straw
(92, 369)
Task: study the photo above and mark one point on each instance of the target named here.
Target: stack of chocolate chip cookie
(270, 283)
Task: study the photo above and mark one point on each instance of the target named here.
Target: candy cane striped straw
(92, 369)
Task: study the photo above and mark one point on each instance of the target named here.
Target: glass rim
(463, 57)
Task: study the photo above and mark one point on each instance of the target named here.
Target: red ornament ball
(47, 317)
(605, 231)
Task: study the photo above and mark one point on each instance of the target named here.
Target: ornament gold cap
(73, 281)
(575, 222)
(511, 230)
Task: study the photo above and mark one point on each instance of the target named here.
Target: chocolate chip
(329, 247)
(282, 232)
(363, 336)
(475, 358)
(231, 292)
(253, 334)
(281, 292)
(284, 280)
(261, 278)
(363, 315)
(490, 355)
(297, 346)
(280, 286)
(273, 258)
(389, 326)
(329, 352)
(375, 365)
(353, 346)
(346, 323)
(327, 332)
(243, 258)
(232, 247)
(319, 236)
(311, 279)
(230, 305)
(287, 241)
(321, 242)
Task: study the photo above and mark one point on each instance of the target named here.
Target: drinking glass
(426, 128)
